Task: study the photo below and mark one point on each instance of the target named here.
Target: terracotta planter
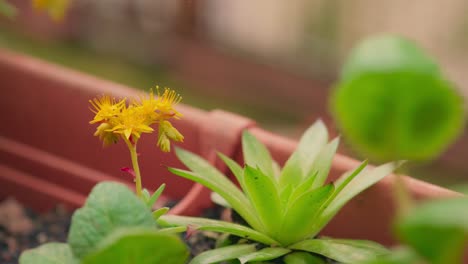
(48, 153)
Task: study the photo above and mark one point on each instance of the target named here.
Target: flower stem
(136, 168)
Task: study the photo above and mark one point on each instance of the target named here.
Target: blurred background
(273, 61)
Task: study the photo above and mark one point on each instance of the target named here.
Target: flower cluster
(119, 120)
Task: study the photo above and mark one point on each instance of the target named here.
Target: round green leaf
(386, 53)
(139, 245)
(437, 230)
(402, 109)
(109, 206)
(51, 253)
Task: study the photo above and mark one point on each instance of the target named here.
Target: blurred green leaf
(109, 206)
(50, 253)
(386, 53)
(437, 230)
(139, 245)
(398, 256)
(6, 9)
(392, 102)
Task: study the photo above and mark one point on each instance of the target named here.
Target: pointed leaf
(264, 197)
(299, 219)
(323, 162)
(216, 226)
(285, 195)
(219, 200)
(50, 253)
(235, 168)
(157, 213)
(303, 187)
(300, 162)
(224, 253)
(268, 253)
(343, 250)
(359, 183)
(214, 180)
(256, 154)
(228, 191)
(156, 195)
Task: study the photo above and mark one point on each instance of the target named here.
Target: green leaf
(303, 258)
(235, 168)
(347, 189)
(214, 180)
(152, 200)
(268, 253)
(139, 245)
(256, 154)
(396, 105)
(157, 213)
(285, 195)
(216, 226)
(224, 253)
(437, 230)
(388, 53)
(50, 253)
(7, 9)
(303, 187)
(342, 250)
(323, 162)
(301, 161)
(109, 206)
(299, 219)
(264, 196)
(219, 200)
(398, 256)
(228, 191)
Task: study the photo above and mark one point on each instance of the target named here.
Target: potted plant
(21, 72)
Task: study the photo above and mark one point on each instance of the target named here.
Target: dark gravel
(21, 229)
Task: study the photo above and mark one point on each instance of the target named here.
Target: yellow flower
(106, 108)
(55, 8)
(148, 106)
(166, 133)
(166, 103)
(131, 122)
(104, 133)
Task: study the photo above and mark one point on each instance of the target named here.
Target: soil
(21, 229)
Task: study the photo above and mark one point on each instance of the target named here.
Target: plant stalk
(403, 199)
(136, 167)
